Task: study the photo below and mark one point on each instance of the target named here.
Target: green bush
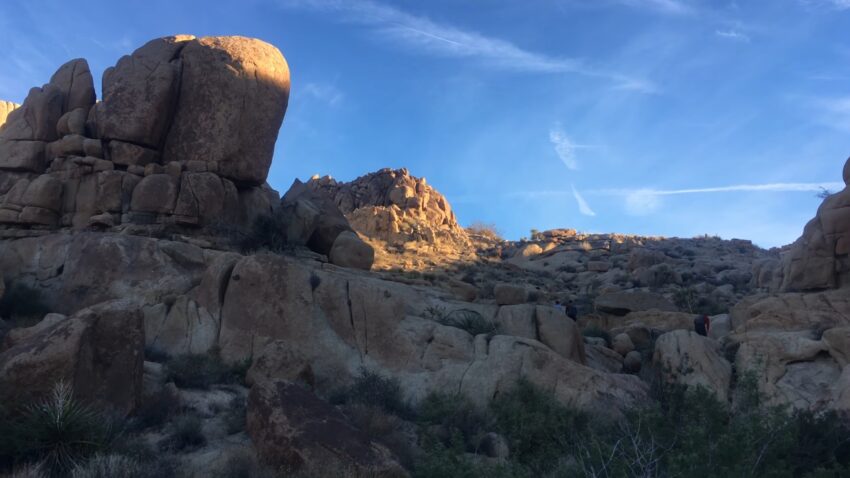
(268, 232)
(454, 416)
(468, 320)
(375, 390)
(22, 303)
(200, 371)
(539, 429)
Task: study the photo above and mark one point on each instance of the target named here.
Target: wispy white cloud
(675, 7)
(583, 207)
(565, 148)
(839, 4)
(327, 93)
(425, 35)
(733, 35)
(641, 202)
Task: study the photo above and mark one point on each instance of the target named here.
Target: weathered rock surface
(690, 359)
(291, 427)
(311, 219)
(820, 258)
(398, 212)
(621, 303)
(98, 352)
(183, 138)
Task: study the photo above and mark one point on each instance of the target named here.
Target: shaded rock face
(820, 258)
(690, 359)
(312, 322)
(98, 352)
(396, 209)
(796, 345)
(311, 219)
(183, 139)
(292, 427)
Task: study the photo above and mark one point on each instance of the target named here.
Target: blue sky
(658, 117)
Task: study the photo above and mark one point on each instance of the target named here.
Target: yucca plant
(61, 432)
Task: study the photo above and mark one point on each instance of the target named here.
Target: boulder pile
(183, 136)
(397, 212)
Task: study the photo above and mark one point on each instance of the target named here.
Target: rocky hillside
(409, 222)
(149, 271)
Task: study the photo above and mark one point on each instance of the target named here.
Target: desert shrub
(487, 230)
(539, 429)
(154, 410)
(596, 331)
(109, 466)
(243, 465)
(23, 304)
(267, 232)
(59, 432)
(686, 432)
(440, 461)
(373, 389)
(454, 417)
(384, 428)
(468, 320)
(203, 370)
(185, 432)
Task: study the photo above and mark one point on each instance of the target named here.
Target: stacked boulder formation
(820, 258)
(183, 137)
(397, 211)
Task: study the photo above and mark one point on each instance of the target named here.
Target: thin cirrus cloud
(565, 148)
(675, 7)
(733, 35)
(323, 92)
(441, 39)
(583, 207)
(641, 202)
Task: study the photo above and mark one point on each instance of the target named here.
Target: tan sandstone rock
(687, 358)
(248, 82)
(349, 250)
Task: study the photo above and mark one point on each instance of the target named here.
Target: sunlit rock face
(183, 138)
(407, 220)
(820, 258)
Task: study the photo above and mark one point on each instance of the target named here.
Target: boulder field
(127, 220)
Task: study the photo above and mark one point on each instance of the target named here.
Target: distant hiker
(702, 325)
(572, 310)
(561, 307)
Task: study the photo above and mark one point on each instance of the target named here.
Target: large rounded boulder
(233, 96)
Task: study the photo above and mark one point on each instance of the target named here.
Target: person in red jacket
(702, 325)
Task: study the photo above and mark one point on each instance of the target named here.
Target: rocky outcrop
(6, 107)
(793, 344)
(183, 139)
(398, 212)
(820, 258)
(311, 219)
(621, 303)
(291, 428)
(686, 358)
(98, 352)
